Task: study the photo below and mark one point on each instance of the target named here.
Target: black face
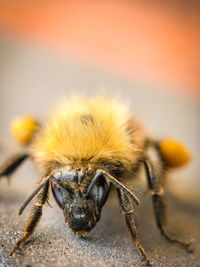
(81, 208)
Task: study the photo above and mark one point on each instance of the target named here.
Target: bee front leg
(11, 164)
(127, 207)
(34, 218)
(159, 205)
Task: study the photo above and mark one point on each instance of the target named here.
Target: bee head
(81, 197)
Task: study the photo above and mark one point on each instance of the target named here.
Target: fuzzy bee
(86, 147)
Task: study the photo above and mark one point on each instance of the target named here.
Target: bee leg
(10, 165)
(159, 205)
(127, 208)
(34, 218)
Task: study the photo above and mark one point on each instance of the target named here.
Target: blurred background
(147, 53)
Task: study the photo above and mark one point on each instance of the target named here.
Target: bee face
(81, 209)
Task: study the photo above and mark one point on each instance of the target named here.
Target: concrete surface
(32, 82)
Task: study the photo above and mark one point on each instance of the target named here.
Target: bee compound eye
(100, 191)
(57, 194)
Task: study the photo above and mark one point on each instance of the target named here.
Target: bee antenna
(42, 184)
(113, 181)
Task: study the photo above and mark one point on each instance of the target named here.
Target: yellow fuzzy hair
(85, 130)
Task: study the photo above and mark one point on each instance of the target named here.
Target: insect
(86, 147)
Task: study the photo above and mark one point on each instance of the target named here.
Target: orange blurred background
(157, 42)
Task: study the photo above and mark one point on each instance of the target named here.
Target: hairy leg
(159, 205)
(34, 217)
(11, 164)
(128, 210)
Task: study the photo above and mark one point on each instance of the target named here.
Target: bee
(87, 147)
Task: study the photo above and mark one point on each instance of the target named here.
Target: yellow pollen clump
(174, 153)
(23, 128)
